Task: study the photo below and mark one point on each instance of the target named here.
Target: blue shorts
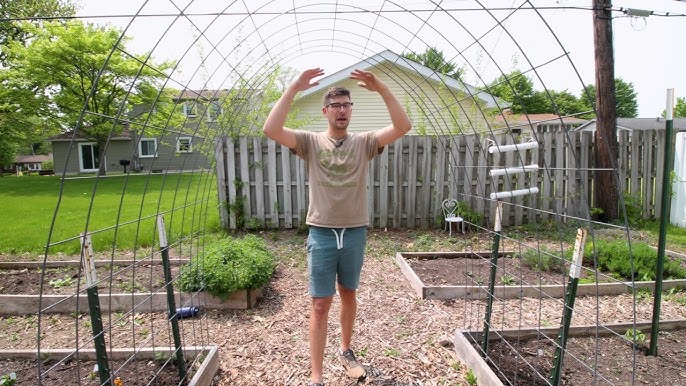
(335, 252)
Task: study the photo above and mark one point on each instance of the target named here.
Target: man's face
(338, 112)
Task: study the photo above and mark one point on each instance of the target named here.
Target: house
(528, 124)
(133, 150)
(630, 124)
(436, 104)
(31, 163)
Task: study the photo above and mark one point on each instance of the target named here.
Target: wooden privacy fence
(264, 185)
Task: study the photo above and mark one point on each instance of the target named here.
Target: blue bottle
(186, 312)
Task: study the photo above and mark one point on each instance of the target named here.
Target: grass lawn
(117, 210)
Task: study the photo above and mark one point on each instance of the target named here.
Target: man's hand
(304, 81)
(368, 80)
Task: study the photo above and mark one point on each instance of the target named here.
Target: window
(147, 148)
(213, 111)
(189, 109)
(184, 145)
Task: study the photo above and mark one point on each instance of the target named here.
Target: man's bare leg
(319, 315)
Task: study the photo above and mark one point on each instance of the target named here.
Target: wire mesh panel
(155, 114)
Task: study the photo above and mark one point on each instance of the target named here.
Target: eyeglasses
(338, 106)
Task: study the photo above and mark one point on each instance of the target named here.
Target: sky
(553, 44)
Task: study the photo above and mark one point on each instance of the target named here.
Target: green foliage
(637, 337)
(625, 95)
(614, 257)
(59, 283)
(563, 103)
(435, 60)
(67, 64)
(12, 31)
(680, 108)
(518, 90)
(8, 379)
(468, 214)
(633, 205)
(543, 260)
(471, 378)
(47, 165)
(229, 265)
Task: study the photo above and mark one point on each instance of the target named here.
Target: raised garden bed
(144, 289)
(524, 355)
(465, 275)
(125, 364)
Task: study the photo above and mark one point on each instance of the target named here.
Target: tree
(12, 30)
(563, 103)
(434, 59)
(518, 90)
(680, 107)
(63, 72)
(625, 95)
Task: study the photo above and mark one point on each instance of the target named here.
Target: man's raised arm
(274, 125)
(400, 122)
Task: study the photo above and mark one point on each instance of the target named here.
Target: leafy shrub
(229, 265)
(634, 210)
(614, 257)
(543, 260)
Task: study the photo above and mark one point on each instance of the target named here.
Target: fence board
(408, 181)
(258, 181)
(287, 185)
(244, 165)
(425, 213)
(383, 188)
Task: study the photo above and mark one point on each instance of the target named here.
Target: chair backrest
(450, 207)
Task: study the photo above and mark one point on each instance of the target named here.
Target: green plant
(633, 205)
(8, 379)
(543, 260)
(229, 265)
(47, 165)
(636, 337)
(59, 283)
(391, 352)
(470, 216)
(507, 280)
(363, 352)
(616, 257)
(470, 377)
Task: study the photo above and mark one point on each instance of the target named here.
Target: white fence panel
(678, 210)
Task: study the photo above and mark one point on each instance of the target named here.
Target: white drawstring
(339, 238)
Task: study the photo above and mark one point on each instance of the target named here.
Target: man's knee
(321, 306)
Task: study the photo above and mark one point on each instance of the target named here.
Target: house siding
(424, 100)
(166, 160)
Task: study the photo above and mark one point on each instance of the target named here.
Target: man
(337, 164)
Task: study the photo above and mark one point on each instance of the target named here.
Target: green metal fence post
(88, 262)
(171, 303)
(491, 281)
(664, 217)
(570, 296)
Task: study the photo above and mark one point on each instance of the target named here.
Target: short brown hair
(334, 92)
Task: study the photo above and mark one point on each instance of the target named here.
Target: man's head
(337, 107)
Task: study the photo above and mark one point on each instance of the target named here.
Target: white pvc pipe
(517, 146)
(513, 170)
(514, 193)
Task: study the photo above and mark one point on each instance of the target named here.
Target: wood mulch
(402, 339)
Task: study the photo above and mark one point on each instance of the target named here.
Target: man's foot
(354, 369)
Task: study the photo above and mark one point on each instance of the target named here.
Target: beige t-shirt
(338, 177)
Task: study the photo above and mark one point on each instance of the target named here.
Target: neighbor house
(134, 150)
(530, 124)
(436, 103)
(31, 162)
(631, 124)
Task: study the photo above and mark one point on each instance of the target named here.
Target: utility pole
(605, 187)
